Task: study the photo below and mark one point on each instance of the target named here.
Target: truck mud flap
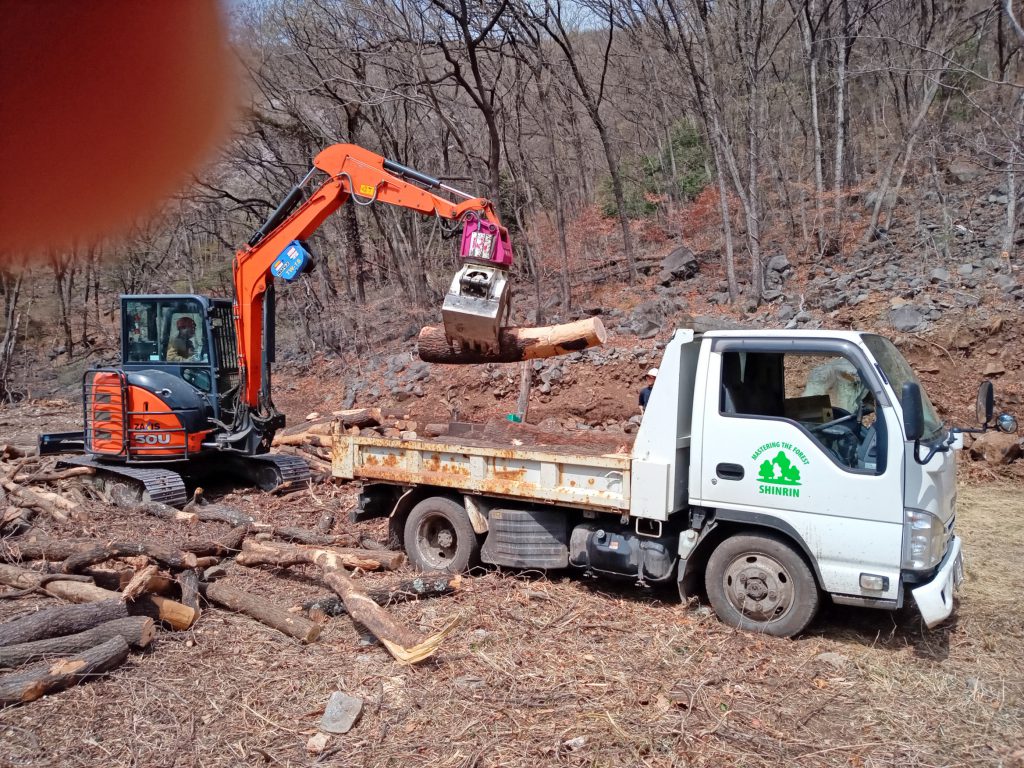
(162, 485)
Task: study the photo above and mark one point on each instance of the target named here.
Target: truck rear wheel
(440, 537)
(759, 583)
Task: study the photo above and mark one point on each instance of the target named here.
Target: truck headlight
(923, 540)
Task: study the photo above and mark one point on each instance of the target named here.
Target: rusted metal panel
(599, 482)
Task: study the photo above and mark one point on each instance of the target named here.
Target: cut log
(137, 631)
(514, 344)
(49, 477)
(229, 544)
(305, 536)
(118, 580)
(60, 620)
(174, 614)
(426, 585)
(262, 610)
(138, 583)
(189, 582)
(305, 438)
(263, 553)
(31, 684)
(174, 559)
(52, 504)
(16, 520)
(326, 522)
(124, 499)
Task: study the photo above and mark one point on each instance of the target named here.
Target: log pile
(111, 596)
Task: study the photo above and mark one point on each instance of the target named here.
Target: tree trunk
(262, 610)
(137, 631)
(97, 554)
(31, 684)
(60, 620)
(515, 344)
(282, 555)
(426, 585)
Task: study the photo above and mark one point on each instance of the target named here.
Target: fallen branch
(60, 620)
(97, 554)
(31, 684)
(515, 344)
(137, 631)
(427, 585)
(282, 556)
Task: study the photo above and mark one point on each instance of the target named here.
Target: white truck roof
(780, 333)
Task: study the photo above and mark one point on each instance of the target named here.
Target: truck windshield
(898, 371)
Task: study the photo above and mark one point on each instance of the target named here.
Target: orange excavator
(192, 395)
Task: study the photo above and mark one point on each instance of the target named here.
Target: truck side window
(824, 393)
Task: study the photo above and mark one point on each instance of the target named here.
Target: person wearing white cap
(645, 393)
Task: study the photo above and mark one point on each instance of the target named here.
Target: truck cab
(788, 454)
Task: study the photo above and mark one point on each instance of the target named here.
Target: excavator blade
(476, 307)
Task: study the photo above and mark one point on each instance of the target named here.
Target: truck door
(797, 437)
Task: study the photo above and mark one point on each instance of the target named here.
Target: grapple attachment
(477, 303)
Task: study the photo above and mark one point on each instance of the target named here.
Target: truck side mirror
(986, 403)
(913, 411)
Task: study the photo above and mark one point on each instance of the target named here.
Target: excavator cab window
(165, 330)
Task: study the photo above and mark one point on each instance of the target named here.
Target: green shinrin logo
(779, 476)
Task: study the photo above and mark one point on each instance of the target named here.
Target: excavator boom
(477, 302)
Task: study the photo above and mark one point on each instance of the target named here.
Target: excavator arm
(474, 309)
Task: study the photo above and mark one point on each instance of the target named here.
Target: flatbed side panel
(598, 482)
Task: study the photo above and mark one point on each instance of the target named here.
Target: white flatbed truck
(770, 468)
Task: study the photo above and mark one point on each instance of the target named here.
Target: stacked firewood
(118, 593)
(313, 440)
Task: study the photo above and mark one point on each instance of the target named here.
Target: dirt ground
(554, 670)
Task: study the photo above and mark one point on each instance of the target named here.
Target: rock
(906, 318)
(833, 302)
(965, 270)
(940, 275)
(996, 448)
(836, 660)
(786, 312)
(998, 198)
(778, 263)
(317, 743)
(962, 171)
(573, 744)
(994, 368)
(341, 714)
(679, 264)
(1005, 283)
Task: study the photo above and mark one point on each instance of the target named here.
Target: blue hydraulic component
(290, 263)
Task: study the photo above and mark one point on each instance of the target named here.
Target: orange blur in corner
(106, 107)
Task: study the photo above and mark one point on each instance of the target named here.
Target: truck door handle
(730, 471)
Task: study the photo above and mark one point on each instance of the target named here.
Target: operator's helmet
(186, 323)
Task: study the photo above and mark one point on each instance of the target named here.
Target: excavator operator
(181, 349)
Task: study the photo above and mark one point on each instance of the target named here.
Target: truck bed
(589, 470)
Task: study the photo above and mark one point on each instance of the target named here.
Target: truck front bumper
(935, 598)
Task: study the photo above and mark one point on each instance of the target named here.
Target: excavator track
(270, 471)
(163, 485)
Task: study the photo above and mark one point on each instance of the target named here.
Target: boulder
(906, 318)
(679, 264)
(962, 171)
(996, 448)
(778, 263)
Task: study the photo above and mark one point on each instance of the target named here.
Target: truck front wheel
(759, 583)
(440, 537)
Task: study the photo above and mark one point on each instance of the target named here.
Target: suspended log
(282, 556)
(515, 344)
(174, 614)
(262, 610)
(424, 586)
(174, 559)
(137, 631)
(60, 620)
(31, 684)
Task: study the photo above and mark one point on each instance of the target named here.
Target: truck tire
(440, 537)
(759, 583)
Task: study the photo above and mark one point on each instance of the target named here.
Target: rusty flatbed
(584, 475)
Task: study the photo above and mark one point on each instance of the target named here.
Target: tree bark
(60, 620)
(189, 583)
(22, 687)
(262, 610)
(515, 344)
(137, 631)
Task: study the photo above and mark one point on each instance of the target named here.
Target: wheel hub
(759, 587)
(438, 541)
(445, 539)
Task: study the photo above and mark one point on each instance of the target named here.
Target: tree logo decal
(779, 471)
(779, 468)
